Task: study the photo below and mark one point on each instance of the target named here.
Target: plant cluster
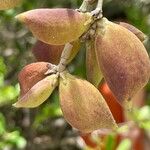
(114, 52)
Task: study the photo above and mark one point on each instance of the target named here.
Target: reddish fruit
(88, 140)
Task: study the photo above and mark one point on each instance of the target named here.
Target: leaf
(52, 53)
(93, 71)
(110, 142)
(56, 26)
(83, 106)
(31, 74)
(123, 60)
(38, 93)
(134, 30)
(47, 52)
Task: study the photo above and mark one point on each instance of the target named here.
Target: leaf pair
(35, 86)
(82, 104)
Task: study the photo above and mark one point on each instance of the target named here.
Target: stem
(84, 5)
(64, 57)
(100, 4)
(53, 69)
(91, 1)
(98, 10)
(87, 5)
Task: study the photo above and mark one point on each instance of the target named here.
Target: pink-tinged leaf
(123, 60)
(52, 53)
(31, 74)
(134, 30)
(56, 26)
(38, 93)
(83, 106)
(46, 52)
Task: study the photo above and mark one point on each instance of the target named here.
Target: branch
(89, 5)
(53, 69)
(64, 57)
(100, 4)
(97, 13)
(98, 10)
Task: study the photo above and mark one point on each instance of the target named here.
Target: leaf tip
(15, 105)
(20, 17)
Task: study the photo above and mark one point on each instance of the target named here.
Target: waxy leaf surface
(56, 26)
(38, 93)
(31, 74)
(123, 60)
(93, 71)
(83, 106)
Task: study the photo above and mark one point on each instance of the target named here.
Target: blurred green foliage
(7, 92)
(124, 145)
(142, 117)
(15, 52)
(140, 122)
(9, 140)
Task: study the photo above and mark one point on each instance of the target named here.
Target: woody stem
(97, 12)
(64, 57)
(89, 5)
(99, 4)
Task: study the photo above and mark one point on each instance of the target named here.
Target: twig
(98, 10)
(87, 5)
(64, 57)
(53, 69)
(97, 13)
